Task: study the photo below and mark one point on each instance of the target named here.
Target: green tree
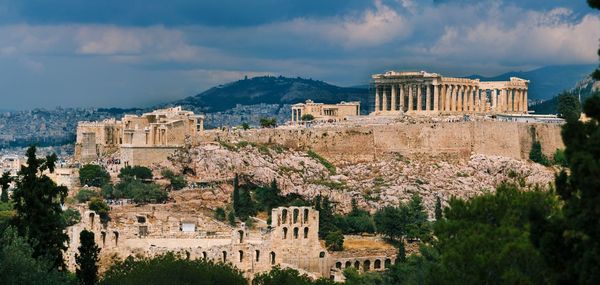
(231, 218)
(177, 182)
(559, 158)
(417, 227)
(93, 175)
(245, 126)
(595, 4)
(171, 269)
(353, 277)
(570, 242)
(5, 181)
(438, 208)
(568, 106)
(268, 122)
(220, 214)
(71, 217)
(19, 267)
(536, 155)
(334, 241)
(136, 172)
(326, 217)
(307, 117)
(87, 259)
(140, 192)
(287, 276)
(85, 195)
(391, 222)
(37, 202)
(101, 208)
(236, 193)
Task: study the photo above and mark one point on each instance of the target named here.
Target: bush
(559, 158)
(177, 182)
(334, 241)
(136, 172)
(101, 208)
(85, 195)
(93, 175)
(171, 269)
(287, 276)
(307, 117)
(220, 214)
(141, 192)
(322, 160)
(268, 122)
(536, 155)
(71, 217)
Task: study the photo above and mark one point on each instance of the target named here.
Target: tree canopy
(93, 175)
(568, 106)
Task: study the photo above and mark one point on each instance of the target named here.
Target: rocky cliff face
(386, 180)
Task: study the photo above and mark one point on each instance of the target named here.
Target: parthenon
(423, 92)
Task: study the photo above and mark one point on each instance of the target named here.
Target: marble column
(428, 98)
(469, 94)
(453, 98)
(393, 97)
(448, 94)
(419, 98)
(376, 98)
(510, 100)
(525, 101)
(384, 99)
(483, 95)
(436, 99)
(410, 98)
(401, 86)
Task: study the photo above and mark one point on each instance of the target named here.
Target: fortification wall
(345, 143)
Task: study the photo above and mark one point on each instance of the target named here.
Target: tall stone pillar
(511, 100)
(453, 98)
(393, 97)
(384, 99)
(525, 101)
(519, 100)
(376, 98)
(448, 94)
(469, 94)
(419, 98)
(428, 98)
(410, 98)
(493, 98)
(401, 86)
(483, 100)
(436, 99)
(459, 92)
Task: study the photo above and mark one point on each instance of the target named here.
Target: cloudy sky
(141, 52)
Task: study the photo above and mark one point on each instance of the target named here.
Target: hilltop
(271, 90)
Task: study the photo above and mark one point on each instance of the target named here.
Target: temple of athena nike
(423, 92)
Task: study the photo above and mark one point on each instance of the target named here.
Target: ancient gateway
(423, 92)
(325, 112)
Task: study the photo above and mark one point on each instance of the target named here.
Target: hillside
(271, 90)
(548, 81)
(583, 89)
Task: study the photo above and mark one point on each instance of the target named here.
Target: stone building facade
(423, 92)
(137, 140)
(291, 240)
(325, 112)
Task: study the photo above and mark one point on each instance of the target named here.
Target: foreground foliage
(287, 276)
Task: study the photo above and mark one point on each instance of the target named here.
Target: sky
(137, 53)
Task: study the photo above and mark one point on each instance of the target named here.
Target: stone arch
(367, 265)
(204, 255)
(241, 234)
(348, 264)
(284, 214)
(306, 215)
(322, 254)
(92, 217)
(295, 215)
(338, 265)
(116, 233)
(187, 255)
(285, 230)
(357, 265)
(272, 255)
(224, 256)
(306, 232)
(241, 254)
(387, 262)
(257, 255)
(295, 233)
(103, 234)
(377, 264)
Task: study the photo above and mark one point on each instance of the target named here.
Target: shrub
(334, 241)
(559, 158)
(136, 172)
(85, 195)
(307, 117)
(220, 214)
(93, 175)
(177, 182)
(536, 155)
(268, 122)
(71, 217)
(101, 208)
(322, 160)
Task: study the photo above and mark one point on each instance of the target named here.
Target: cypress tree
(438, 209)
(87, 259)
(236, 194)
(4, 184)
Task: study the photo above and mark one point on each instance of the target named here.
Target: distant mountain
(583, 89)
(548, 81)
(271, 90)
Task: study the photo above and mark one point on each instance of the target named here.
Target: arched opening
(241, 255)
(204, 255)
(284, 213)
(306, 215)
(295, 233)
(296, 214)
(357, 265)
(116, 238)
(224, 256)
(321, 254)
(387, 263)
(285, 233)
(272, 257)
(348, 264)
(257, 254)
(377, 264)
(92, 220)
(367, 265)
(338, 265)
(187, 255)
(306, 232)
(103, 234)
(241, 234)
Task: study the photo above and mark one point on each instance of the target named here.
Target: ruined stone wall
(346, 143)
(145, 156)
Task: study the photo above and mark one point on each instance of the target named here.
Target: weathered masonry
(325, 112)
(422, 92)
